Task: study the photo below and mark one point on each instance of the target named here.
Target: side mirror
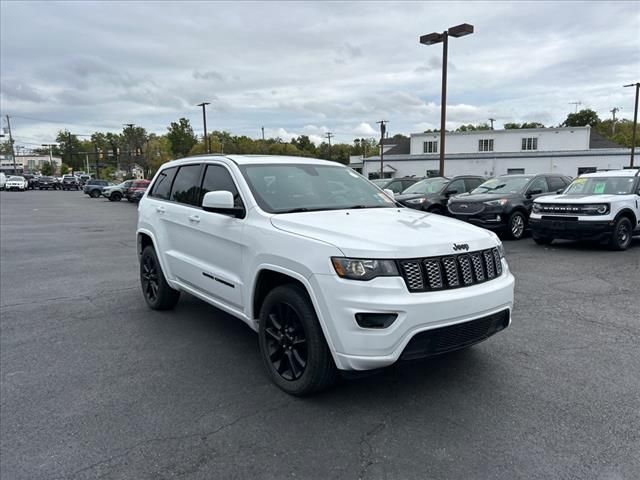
(390, 193)
(534, 192)
(221, 201)
(451, 192)
(560, 190)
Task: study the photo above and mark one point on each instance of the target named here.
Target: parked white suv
(325, 266)
(595, 206)
(16, 182)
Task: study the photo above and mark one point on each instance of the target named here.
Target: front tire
(516, 226)
(155, 289)
(94, 193)
(292, 345)
(621, 236)
(116, 196)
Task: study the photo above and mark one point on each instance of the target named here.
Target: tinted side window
(555, 183)
(457, 185)
(162, 185)
(406, 184)
(186, 185)
(395, 187)
(539, 184)
(473, 183)
(217, 177)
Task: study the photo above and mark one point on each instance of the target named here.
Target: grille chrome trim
(451, 271)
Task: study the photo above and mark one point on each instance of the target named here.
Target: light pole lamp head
(460, 30)
(431, 38)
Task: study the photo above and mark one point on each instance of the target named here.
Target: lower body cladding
(407, 325)
(571, 228)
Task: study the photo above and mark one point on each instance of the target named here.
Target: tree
(46, 169)
(470, 127)
(512, 126)
(68, 147)
(582, 119)
(181, 137)
(64, 169)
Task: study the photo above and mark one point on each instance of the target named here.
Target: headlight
(597, 209)
(360, 269)
(417, 201)
(536, 208)
(500, 249)
(497, 203)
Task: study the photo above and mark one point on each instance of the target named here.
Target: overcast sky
(308, 68)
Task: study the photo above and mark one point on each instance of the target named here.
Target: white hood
(386, 232)
(577, 199)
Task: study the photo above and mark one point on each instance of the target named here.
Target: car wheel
(94, 193)
(116, 196)
(542, 240)
(516, 226)
(129, 199)
(157, 292)
(292, 344)
(621, 236)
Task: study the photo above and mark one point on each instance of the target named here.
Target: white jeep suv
(601, 206)
(325, 266)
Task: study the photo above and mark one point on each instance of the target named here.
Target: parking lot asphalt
(96, 385)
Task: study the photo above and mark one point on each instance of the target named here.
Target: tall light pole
(204, 121)
(50, 146)
(431, 39)
(383, 130)
(635, 122)
(13, 152)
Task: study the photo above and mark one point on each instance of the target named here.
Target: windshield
(286, 188)
(16, 179)
(601, 186)
(428, 185)
(45, 179)
(503, 185)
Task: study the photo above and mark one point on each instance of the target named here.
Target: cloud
(356, 64)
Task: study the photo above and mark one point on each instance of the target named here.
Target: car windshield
(45, 179)
(601, 186)
(287, 188)
(428, 185)
(503, 185)
(380, 182)
(16, 179)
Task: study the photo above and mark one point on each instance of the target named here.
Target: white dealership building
(568, 151)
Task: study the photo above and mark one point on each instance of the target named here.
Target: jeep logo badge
(461, 246)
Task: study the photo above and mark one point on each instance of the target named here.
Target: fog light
(375, 320)
(498, 218)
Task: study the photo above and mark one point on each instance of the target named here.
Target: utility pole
(13, 152)
(329, 135)
(50, 146)
(96, 150)
(383, 130)
(69, 151)
(576, 104)
(262, 133)
(207, 145)
(492, 120)
(129, 125)
(613, 111)
(635, 122)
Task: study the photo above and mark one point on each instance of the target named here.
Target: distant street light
(204, 120)
(635, 122)
(431, 39)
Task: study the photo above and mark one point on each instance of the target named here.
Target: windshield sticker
(599, 188)
(579, 181)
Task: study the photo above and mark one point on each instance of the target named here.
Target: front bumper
(494, 221)
(571, 229)
(357, 348)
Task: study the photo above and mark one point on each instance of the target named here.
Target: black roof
(598, 141)
(401, 145)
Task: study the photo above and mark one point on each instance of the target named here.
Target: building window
(433, 173)
(515, 171)
(430, 147)
(530, 143)
(582, 170)
(485, 145)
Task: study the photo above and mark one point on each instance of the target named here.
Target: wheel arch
(627, 212)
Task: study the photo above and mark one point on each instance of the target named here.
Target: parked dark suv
(432, 194)
(503, 204)
(70, 182)
(46, 183)
(396, 185)
(93, 188)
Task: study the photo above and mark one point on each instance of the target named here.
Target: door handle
(194, 218)
(160, 209)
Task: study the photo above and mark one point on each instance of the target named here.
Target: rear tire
(94, 193)
(116, 196)
(155, 289)
(621, 236)
(516, 226)
(292, 345)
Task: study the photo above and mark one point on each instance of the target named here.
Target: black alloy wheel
(622, 232)
(286, 341)
(157, 292)
(292, 344)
